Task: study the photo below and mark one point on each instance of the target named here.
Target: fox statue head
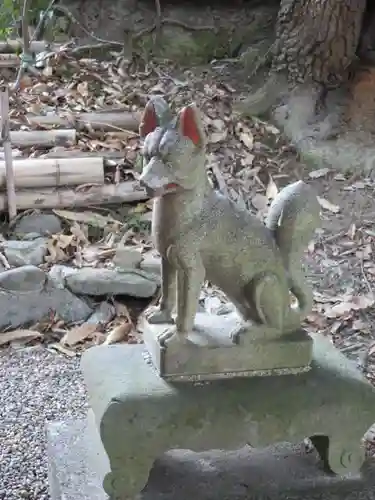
(173, 149)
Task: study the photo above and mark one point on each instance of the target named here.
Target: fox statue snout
(156, 179)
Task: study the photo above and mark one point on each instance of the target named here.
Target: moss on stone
(195, 47)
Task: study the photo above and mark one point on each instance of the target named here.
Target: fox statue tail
(292, 218)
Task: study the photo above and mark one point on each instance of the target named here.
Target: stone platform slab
(211, 354)
(77, 462)
(77, 465)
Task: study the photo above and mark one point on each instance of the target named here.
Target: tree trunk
(316, 40)
(315, 45)
(321, 83)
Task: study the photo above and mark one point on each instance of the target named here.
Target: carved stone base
(211, 354)
(77, 464)
(140, 415)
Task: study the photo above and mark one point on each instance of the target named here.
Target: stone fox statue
(202, 234)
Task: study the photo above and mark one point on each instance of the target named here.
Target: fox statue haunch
(202, 234)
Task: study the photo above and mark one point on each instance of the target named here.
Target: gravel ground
(35, 386)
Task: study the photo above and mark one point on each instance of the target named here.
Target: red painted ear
(149, 120)
(188, 125)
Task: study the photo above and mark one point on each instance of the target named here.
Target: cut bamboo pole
(108, 194)
(43, 138)
(111, 120)
(54, 172)
(9, 61)
(17, 46)
(11, 201)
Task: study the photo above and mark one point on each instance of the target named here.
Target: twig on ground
(6, 144)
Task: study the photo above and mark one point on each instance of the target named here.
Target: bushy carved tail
(293, 217)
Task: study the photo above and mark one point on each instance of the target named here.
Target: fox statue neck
(188, 200)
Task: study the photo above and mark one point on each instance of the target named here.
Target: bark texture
(316, 40)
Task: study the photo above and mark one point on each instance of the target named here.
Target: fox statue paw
(240, 334)
(156, 316)
(170, 338)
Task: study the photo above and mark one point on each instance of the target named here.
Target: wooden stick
(107, 194)
(54, 172)
(43, 138)
(6, 144)
(111, 120)
(9, 61)
(17, 46)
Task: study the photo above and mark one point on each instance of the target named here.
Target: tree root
(261, 101)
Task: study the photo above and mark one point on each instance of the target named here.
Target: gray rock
(93, 281)
(103, 313)
(42, 224)
(59, 272)
(23, 253)
(127, 258)
(151, 263)
(27, 294)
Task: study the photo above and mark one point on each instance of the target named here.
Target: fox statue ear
(156, 114)
(190, 125)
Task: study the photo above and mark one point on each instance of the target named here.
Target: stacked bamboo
(72, 178)
(66, 181)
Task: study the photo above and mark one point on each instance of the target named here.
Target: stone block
(141, 415)
(77, 464)
(210, 353)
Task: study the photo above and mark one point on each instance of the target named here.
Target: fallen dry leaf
(272, 190)
(19, 335)
(122, 310)
(355, 303)
(79, 334)
(321, 172)
(359, 324)
(60, 247)
(60, 348)
(327, 205)
(245, 136)
(259, 201)
(88, 217)
(79, 233)
(119, 333)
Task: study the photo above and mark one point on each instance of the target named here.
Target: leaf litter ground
(249, 160)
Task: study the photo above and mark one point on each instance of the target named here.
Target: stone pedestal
(211, 354)
(140, 415)
(77, 464)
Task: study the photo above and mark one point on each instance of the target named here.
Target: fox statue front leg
(190, 278)
(163, 312)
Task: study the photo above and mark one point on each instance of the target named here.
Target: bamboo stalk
(17, 46)
(43, 138)
(106, 194)
(60, 152)
(111, 120)
(9, 61)
(6, 144)
(54, 172)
